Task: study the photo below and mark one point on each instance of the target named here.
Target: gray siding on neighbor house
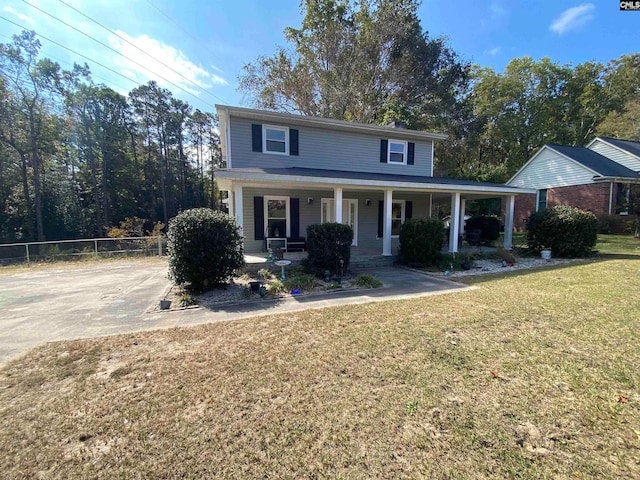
(326, 149)
(310, 214)
(615, 154)
(550, 169)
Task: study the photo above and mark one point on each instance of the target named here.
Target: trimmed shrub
(566, 231)
(489, 227)
(204, 248)
(327, 244)
(421, 241)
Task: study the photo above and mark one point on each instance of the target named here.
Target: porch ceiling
(324, 179)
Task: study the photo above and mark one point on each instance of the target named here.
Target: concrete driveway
(51, 303)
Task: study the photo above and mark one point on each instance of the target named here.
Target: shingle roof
(600, 164)
(627, 145)
(384, 177)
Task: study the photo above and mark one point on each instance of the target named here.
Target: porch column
(386, 231)
(454, 224)
(230, 204)
(463, 207)
(238, 212)
(337, 200)
(508, 222)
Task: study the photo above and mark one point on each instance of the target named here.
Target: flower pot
(255, 286)
(165, 304)
(545, 254)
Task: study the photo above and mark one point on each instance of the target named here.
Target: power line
(72, 51)
(141, 50)
(105, 81)
(119, 53)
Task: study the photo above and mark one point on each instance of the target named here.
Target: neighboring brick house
(594, 178)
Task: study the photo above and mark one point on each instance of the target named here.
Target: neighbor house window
(397, 152)
(276, 214)
(276, 140)
(397, 216)
(542, 199)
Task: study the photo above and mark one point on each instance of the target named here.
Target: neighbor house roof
(364, 179)
(627, 145)
(600, 164)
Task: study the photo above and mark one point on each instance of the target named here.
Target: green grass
(618, 245)
(529, 375)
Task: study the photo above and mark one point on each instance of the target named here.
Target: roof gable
(599, 164)
(628, 146)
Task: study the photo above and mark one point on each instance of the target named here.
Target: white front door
(349, 214)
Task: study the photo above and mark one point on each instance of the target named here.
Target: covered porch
(280, 203)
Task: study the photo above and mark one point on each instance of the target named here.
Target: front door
(349, 214)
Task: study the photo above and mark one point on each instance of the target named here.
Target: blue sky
(208, 41)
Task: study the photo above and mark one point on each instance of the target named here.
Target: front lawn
(532, 375)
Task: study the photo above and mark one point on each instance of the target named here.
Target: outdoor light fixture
(309, 200)
(367, 202)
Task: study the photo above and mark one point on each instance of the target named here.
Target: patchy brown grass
(528, 376)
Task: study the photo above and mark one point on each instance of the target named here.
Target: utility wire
(72, 51)
(138, 48)
(119, 53)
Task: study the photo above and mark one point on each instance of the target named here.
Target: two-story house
(595, 178)
(285, 172)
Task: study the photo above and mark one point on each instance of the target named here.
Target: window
(276, 140)
(397, 216)
(542, 199)
(397, 152)
(276, 215)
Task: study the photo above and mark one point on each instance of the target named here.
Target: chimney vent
(397, 124)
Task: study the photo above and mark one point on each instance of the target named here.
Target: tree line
(77, 158)
(371, 62)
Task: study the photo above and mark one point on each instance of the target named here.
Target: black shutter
(293, 141)
(256, 137)
(411, 153)
(384, 147)
(380, 217)
(408, 209)
(294, 210)
(258, 218)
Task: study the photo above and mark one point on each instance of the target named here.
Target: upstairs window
(276, 140)
(397, 152)
(542, 199)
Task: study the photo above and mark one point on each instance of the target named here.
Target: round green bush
(204, 248)
(566, 231)
(327, 244)
(421, 240)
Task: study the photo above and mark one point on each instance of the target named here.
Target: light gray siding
(615, 154)
(310, 214)
(326, 149)
(550, 169)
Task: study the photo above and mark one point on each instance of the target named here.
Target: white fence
(76, 249)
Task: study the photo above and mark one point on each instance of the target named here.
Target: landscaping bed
(239, 289)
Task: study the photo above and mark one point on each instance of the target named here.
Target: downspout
(610, 197)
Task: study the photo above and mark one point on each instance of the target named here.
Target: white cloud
(181, 71)
(573, 18)
(21, 16)
(493, 51)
